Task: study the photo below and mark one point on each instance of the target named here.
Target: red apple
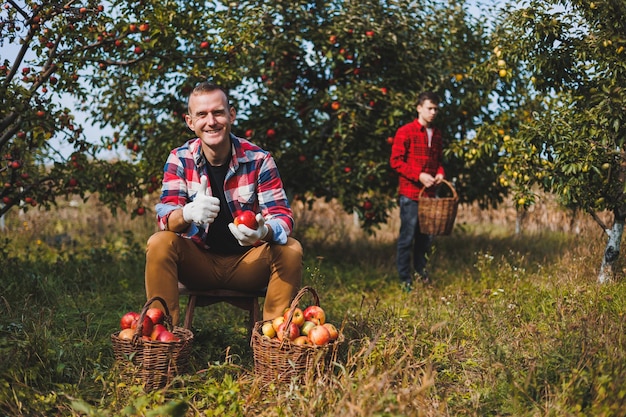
(16, 164)
(204, 44)
(249, 133)
(315, 314)
(297, 318)
(140, 211)
(335, 105)
(367, 205)
(128, 319)
(289, 333)
(157, 330)
(132, 27)
(156, 314)
(247, 218)
(271, 133)
(146, 328)
(167, 336)
(332, 330)
(144, 27)
(319, 335)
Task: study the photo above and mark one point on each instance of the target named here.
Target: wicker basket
(437, 215)
(278, 361)
(157, 362)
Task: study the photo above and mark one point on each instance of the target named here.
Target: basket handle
(449, 184)
(296, 301)
(144, 310)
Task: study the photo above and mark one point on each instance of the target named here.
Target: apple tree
(568, 134)
(323, 85)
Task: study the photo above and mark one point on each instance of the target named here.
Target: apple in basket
(156, 315)
(301, 341)
(289, 333)
(147, 327)
(277, 322)
(315, 314)
(128, 319)
(157, 330)
(306, 327)
(126, 334)
(167, 336)
(319, 335)
(297, 318)
(332, 330)
(268, 330)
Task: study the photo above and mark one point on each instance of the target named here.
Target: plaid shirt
(411, 155)
(252, 183)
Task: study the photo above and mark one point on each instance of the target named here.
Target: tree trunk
(611, 252)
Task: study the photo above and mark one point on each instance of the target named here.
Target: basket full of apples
(149, 341)
(297, 344)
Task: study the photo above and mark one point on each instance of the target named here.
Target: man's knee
(291, 251)
(161, 238)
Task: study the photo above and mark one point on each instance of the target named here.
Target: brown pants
(170, 258)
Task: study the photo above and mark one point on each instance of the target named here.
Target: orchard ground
(513, 324)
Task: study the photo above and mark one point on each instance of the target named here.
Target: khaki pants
(170, 258)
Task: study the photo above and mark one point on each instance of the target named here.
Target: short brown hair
(427, 95)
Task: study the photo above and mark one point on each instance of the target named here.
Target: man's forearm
(176, 222)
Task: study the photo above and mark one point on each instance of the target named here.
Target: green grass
(511, 326)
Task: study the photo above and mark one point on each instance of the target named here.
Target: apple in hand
(297, 318)
(128, 319)
(156, 315)
(315, 314)
(247, 218)
(319, 335)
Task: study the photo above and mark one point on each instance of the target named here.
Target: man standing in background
(416, 155)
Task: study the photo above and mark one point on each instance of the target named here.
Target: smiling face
(211, 118)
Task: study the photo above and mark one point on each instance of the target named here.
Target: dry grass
(513, 324)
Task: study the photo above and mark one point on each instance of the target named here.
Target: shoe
(422, 277)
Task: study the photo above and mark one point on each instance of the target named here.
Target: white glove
(246, 236)
(203, 209)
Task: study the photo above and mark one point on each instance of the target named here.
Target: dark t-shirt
(219, 238)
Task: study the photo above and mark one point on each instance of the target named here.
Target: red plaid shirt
(411, 155)
(252, 183)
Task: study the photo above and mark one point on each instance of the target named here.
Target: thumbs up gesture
(203, 209)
